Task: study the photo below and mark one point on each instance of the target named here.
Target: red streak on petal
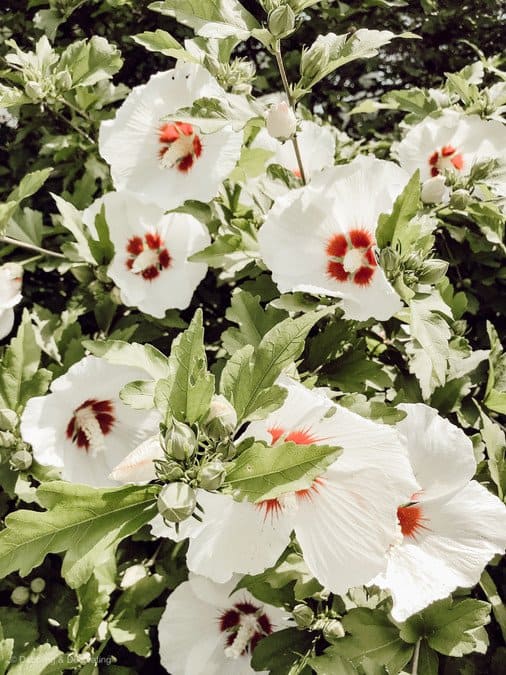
(371, 258)
(229, 619)
(197, 146)
(361, 239)
(129, 263)
(458, 162)
(337, 246)
(245, 607)
(447, 150)
(153, 240)
(164, 258)
(337, 271)
(135, 245)
(363, 276)
(168, 133)
(411, 520)
(150, 273)
(433, 159)
(298, 436)
(185, 128)
(434, 171)
(271, 507)
(297, 173)
(185, 163)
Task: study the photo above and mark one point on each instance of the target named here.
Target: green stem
(74, 126)
(498, 608)
(416, 655)
(31, 247)
(286, 87)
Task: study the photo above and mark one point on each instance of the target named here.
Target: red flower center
(351, 257)
(244, 625)
(273, 507)
(180, 146)
(91, 421)
(445, 158)
(411, 520)
(147, 256)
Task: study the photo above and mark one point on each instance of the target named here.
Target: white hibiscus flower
(452, 526)
(208, 630)
(82, 427)
(168, 162)
(150, 265)
(11, 277)
(345, 522)
(320, 239)
(451, 142)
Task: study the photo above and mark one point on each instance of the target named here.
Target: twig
(31, 247)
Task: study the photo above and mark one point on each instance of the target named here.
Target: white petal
(138, 466)
(6, 322)
(441, 454)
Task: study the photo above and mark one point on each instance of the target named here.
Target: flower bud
(333, 630)
(460, 199)
(34, 91)
(116, 296)
(8, 419)
(432, 271)
(222, 418)
(212, 475)
(176, 502)
(21, 460)
(132, 575)
(434, 190)
(7, 439)
(281, 121)
(180, 441)
(37, 585)
(389, 260)
(303, 615)
(281, 21)
(63, 80)
(20, 595)
(34, 598)
(314, 59)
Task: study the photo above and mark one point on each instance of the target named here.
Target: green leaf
(93, 604)
(78, 519)
(188, 388)
(371, 635)
(218, 19)
(30, 184)
(10, 97)
(72, 221)
(45, 659)
(91, 61)
(20, 627)
(132, 354)
(160, 41)
(428, 660)
(266, 472)
(328, 664)
(103, 249)
(248, 377)
(405, 208)
(449, 626)
(495, 442)
(253, 321)
(20, 377)
(495, 392)
(278, 651)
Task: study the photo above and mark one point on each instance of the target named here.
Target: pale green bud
(7, 439)
(281, 21)
(34, 91)
(21, 460)
(314, 60)
(37, 585)
(116, 296)
(333, 630)
(221, 419)
(389, 260)
(212, 475)
(20, 595)
(176, 502)
(432, 271)
(460, 199)
(8, 419)
(303, 615)
(63, 80)
(180, 441)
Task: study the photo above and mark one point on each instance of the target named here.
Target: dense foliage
(212, 366)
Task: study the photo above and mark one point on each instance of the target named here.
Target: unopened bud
(63, 80)
(7, 439)
(432, 271)
(8, 419)
(20, 595)
(176, 502)
(21, 460)
(116, 296)
(281, 121)
(303, 615)
(460, 199)
(434, 190)
(333, 630)
(281, 21)
(389, 261)
(180, 441)
(34, 598)
(132, 575)
(34, 91)
(222, 418)
(314, 60)
(212, 475)
(37, 585)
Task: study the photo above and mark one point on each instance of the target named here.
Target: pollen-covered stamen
(90, 423)
(180, 146)
(147, 256)
(411, 520)
(245, 625)
(351, 257)
(446, 158)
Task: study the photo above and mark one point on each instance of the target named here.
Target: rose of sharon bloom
(452, 526)
(452, 142)
(345, 522)
(11, 276)
(208, 630)
(320, 239)
(82, 427)
(150, 265)
(165, 160)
